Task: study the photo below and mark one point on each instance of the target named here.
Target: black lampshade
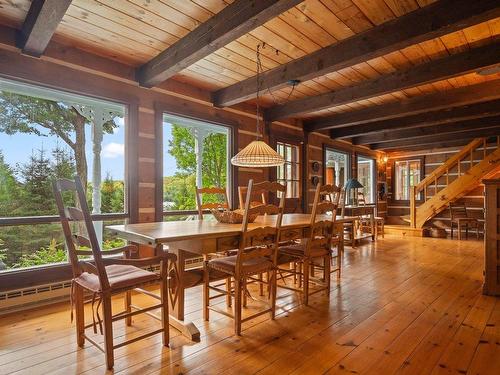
(352, 183)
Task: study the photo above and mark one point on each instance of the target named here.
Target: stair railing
(444, 170)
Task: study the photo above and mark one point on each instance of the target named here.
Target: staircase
(469, 176)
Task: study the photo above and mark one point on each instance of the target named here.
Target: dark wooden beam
(425, 119)
(229, 24)
(429, 147)
(430, 139)
(450, 128)
(40, 24)
(432, 102)
(448, 67)
(432, 21)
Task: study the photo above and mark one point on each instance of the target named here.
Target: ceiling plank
(426, 119)
(40, 24)
(437, 19)
(224, 27)
(448, 67)
(449, 128)
(429, 139)
(480, 92)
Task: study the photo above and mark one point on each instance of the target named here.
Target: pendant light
(258, 153)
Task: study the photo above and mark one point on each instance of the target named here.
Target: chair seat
(299, 250)
(119, 277)
(249, 267)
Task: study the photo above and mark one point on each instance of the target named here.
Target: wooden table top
(170, 231)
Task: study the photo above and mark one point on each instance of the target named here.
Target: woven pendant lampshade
(257, 154)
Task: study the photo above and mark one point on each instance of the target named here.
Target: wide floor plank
(402, 306)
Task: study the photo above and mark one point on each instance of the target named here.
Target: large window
(195, 155)
(289, 173)
(406, 174)
(366, 176)
(47, 134)
(337, 168)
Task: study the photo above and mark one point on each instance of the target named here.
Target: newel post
(413, 208)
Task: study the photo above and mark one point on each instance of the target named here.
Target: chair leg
(164, 313)
(206, 292)
(237, 306)
(128, 309)
(244, 286)
(466, 231)
(79, 315)
(261, 284)
(327, 265)
(108, 330)
(272, 279)
(228, 289)
(451, 231)
(305, 273)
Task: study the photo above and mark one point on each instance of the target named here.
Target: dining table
(191, 239)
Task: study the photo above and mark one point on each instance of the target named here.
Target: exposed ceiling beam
(229, 24)
(448, 67)
(429, 139)
(449, 128)
(427, 148)
(40, 24)
(451, 98)
(432, 21)
(443, 116)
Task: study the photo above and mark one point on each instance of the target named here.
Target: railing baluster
(435, 185)
(471, 160)
(458, 168)
(447, 177)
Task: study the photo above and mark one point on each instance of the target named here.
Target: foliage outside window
(289, 173)
(366, 176)
(406, 174)
(196, 155)
(45, 135)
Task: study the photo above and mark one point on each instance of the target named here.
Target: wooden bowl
(232, 217)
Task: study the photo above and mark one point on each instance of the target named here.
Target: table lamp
(351, 184)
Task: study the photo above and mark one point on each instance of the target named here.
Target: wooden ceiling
(136, 31)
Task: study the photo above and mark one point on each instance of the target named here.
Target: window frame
(327, 148)
(160, 110)
(421, 160)
(58, 272)
(373, 171)
(295, 164)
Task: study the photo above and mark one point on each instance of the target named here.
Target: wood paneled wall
(474, 200)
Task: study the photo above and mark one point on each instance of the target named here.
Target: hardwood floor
(405, 306)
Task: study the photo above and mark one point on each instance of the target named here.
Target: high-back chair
(365, 221)
(460, 219)
(242, 197)
(257, 254)
(104, 277)
(317, 246)
(200, 192)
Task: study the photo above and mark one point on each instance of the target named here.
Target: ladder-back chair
(365, 221)
(214, 191)
(104, 277)
(459, 218)
(242, 197)
(317, 246)
(257, 254)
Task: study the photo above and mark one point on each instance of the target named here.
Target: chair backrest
(458, 211)
(242, 194)
(214, 191)
(323, 217)
(79, 215)
(261, 241)
(361, 198)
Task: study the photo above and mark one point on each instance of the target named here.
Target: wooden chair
(365, 221)
(257, 254)
(210, 205)
(242, 194)
(104, 277)
(460, 219)
(317, 246)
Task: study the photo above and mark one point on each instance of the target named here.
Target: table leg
(373, 226)
(176, 300)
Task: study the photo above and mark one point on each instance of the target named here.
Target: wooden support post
(413, 208)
